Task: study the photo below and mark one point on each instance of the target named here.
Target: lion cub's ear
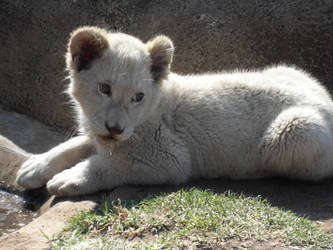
(161, 52)
(85, 45)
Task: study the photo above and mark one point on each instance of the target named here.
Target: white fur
(276, 121)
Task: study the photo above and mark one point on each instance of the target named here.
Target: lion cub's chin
(107, 139)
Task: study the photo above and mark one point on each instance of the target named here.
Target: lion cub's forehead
(126, 46)
(126, 60)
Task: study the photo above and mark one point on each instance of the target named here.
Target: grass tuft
(191, 219)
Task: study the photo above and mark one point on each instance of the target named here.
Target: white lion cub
(142, 124)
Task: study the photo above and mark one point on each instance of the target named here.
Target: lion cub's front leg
(85, 177)
(98, 173)
(37, 170)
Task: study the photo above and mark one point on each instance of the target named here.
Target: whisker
(71, 132)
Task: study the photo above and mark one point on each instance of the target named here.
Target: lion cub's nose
(115, 130)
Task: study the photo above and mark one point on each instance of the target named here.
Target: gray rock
(19, 137)
(209, 36)
(50, 223)
(11, 158)
(35, 137)
(28, 134)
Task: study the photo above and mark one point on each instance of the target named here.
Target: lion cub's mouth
(107, 138)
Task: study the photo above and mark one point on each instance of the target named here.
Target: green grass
(191, 219)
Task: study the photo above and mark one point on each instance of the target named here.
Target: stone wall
(209, 35)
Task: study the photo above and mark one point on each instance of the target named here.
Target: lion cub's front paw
(68, 183)
(32, 172)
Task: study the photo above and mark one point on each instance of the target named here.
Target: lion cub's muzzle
(113, 131)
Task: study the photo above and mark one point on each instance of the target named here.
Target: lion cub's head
(115, 79)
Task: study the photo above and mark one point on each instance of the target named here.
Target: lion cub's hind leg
(298, 144)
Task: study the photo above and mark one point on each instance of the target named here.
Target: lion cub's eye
(138, 97)
(104, 88)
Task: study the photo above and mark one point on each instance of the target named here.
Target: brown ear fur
(85, 45)
(161, 53)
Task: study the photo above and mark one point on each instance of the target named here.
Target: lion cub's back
(224, 116)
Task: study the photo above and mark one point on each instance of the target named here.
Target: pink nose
(115, 130)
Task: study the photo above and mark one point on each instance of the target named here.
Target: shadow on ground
(308, 199)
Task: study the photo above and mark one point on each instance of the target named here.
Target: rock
(208, 35)
(28, 134)
(11, 158)
(18, 136)
(51, 222)
(32, 136)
